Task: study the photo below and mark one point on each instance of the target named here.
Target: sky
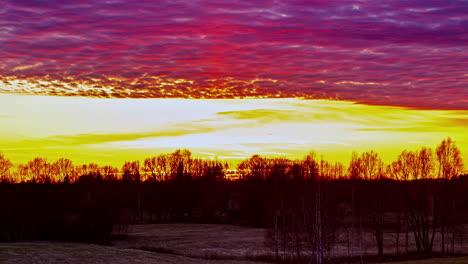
(113, 80)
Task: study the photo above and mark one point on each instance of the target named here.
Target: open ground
(183, 243)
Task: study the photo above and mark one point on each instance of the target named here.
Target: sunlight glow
(110, 131)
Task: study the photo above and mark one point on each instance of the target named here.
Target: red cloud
(403, 53)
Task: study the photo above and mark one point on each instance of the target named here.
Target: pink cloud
(399, 53)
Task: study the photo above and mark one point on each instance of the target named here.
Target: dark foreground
(178, 243)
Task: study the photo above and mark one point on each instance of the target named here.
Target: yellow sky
(110, 131)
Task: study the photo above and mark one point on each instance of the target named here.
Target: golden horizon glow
(111, 131)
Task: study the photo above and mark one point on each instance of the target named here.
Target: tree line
(443, 163)
(307, 206)
(179, 165)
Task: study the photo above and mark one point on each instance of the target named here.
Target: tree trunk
(406, 236)
(398, 235)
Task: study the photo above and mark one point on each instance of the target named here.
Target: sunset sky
(109, 81)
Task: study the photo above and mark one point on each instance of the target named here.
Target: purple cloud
(410, 53)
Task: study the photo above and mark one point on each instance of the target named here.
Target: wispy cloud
(97, 139)
(132, 128)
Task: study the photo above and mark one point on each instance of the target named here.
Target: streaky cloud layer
(405, 53)
(117, 130)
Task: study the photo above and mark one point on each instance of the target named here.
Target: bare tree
(256, 167)
(5, 165)
(92, 169)
(163, 168)
(38, 170)
(450, 166)
(313, 205)
(420, 203)
(199, 168)
(150, 166)
(131, 171)
(449, 159)
(180, 163)
(399, 171)
(403, 168)
(109, 173)
(213, 170)
(311, 166)
(337, 171)
(354, 168)
(64, 168)
(302, 227)
(35, 168)
(354, 171)
(371, 166)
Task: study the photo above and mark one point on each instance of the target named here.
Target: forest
(306, 206)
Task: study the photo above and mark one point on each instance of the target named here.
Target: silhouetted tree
(213, 170)
(372, 169)
(109, 173)
(371, 165)
(131, 171)
(355, 171)
(163, 167)
(302, 227)
(450, 166)
(88, 173)
(180, 164)
(449, 159)
(400, 170)
(5, 165)
(332, 171)
(38, 170)
(354, 168)
(253, 168)
(150, 166)
(199, 167)
(311, 167)
(420, 213)
(158, 168)
(63, 169)
(421, 189)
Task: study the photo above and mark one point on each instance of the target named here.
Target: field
(55, 252)
(165, 243)
(205, 241)
(461, 260)
(172, 243)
